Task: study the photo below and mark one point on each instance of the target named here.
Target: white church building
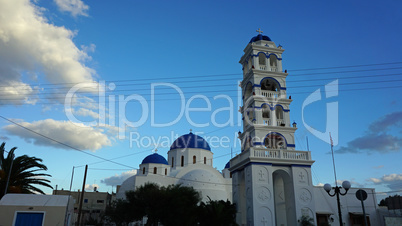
(270, 181)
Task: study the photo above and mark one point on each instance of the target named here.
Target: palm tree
(22, 176)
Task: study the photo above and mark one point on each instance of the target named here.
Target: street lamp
(346, 185)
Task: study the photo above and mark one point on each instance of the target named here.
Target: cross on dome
(259, 31)
(191, 131)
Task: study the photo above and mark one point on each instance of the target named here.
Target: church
(270, 181)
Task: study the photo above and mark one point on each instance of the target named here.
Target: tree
(23, 176)
(217, 213)
(172, 205)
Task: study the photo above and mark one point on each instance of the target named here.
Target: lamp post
(337, 191)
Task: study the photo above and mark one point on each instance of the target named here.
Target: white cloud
(118, 179)
(90, 187)
(75, 7)
(76, 135)
(30, 44)
(86, 112)
(393, 181)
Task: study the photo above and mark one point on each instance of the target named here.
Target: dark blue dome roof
(154, 158)
(227, 165)
(190, 141)
(260, 37)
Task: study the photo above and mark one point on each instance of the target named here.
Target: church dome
(154, 158)
(190, 141)
(260, 37)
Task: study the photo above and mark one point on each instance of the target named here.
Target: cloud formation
(118, 179)
(393, 181)
(76, 135)
(30, 45)
(75, 7)
(377, 137)
(90, 187)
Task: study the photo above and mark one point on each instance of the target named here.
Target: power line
(63, 144)
(231, 74)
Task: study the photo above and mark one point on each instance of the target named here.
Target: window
(279, 112)
(85, 200)
(205, 160)
(143, 170)
(266, 112)
(165, 171)
(172, 161)
(182, 161)
(100, 201)
(194, 159)
(29, 219)
(155, 170)
(261, 59)
(275, 141)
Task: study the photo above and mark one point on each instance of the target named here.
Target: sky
(106, 83)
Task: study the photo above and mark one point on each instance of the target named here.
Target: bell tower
(272, 182)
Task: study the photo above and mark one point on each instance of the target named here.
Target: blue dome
(190, 141)
(227, 166)
(260, 37)
(155, 158)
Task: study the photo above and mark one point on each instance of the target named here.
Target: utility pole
(82, 197)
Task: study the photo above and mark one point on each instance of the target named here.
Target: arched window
(172, 161)
(165, 171)
(143, 170)
(273, 62)
(275, 141)
(279, 112)
(155, 170)
(261, 60)
(182, 161)
(266, 112)
(269, 85)
(205, 160)
(248, 91)
(194, 159)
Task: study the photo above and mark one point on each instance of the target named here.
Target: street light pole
(337, 191)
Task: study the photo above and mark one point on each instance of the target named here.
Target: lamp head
(327, 187)
(346, 185)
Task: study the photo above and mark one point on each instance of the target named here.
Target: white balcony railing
(270, 94)
(272, 154)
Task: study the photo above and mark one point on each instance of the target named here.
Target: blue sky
(47, 47)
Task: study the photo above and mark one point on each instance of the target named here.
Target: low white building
(190, 163)
(30, 209)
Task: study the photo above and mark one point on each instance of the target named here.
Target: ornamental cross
(259, 31)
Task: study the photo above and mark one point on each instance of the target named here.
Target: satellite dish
(361, 195)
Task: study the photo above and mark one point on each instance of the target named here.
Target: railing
(266, 122)
(270, 94)
(274, 68)
(273, 154)
(263, 68)
(280, 122)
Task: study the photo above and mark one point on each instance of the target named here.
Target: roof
(190, 141)
(260, 37)
(33, 200)
(227, 166)
(154, 158)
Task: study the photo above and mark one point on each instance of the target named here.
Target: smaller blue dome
(227, 166)
(260, 37)
(154, 158)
